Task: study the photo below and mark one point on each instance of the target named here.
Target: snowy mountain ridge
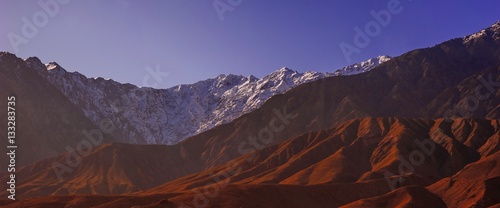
(493, 30)
(167, 116)
(362, 66)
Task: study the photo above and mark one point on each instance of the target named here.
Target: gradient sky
(186, 38)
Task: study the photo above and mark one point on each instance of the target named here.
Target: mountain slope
(477, 185)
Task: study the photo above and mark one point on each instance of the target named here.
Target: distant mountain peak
(229, 77)
(230, 80)
(383, 58)
(285, 69)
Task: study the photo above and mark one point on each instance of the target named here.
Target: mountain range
(152, 115)
(417, 130)
(141, 115)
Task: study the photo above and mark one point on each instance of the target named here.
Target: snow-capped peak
(493, 30)
(251, 78)
(284, 69)
(495, 26)
(362, 66)
(282, 72)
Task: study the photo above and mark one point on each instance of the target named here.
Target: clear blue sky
(186, 38)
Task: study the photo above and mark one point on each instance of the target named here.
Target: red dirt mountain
(353, 157)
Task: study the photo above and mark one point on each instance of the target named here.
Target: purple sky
(187, 39)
